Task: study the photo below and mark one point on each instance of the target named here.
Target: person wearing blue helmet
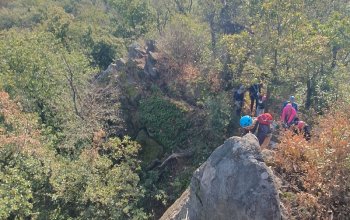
(291, 101)
(260, 126)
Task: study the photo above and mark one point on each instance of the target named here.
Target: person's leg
(266, 142)
(238, 107)
(256, 102)
(251, 104)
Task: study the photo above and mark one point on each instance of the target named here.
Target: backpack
(265, 119)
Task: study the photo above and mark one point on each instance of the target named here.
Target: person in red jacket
(260, 126)
(288, 115)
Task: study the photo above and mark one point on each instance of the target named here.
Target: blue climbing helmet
(292, 98)
(246, 121)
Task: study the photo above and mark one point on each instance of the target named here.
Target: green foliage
(165, 121)
(151, 150)
(219, 112)
(287, 47)
(16, 195)
(181, 182)
(187, 40)
(48, 79)
(103, 54)
(101, 183)
(49, 51)
(23, 14)
(134, 18)
(58, 23)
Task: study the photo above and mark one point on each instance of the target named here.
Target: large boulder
(234, 183)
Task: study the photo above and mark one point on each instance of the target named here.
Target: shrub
(318, 170)
(103, 54)
(165, 121)
(219, 112)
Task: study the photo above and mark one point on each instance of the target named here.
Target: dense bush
(219, 114)
(165, 121)
(103, 54)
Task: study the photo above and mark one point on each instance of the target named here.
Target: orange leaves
(190, 73)
(17, 129)
(320, 168)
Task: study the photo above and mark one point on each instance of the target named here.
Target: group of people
(262, 122)
(255, 96)
(290, 119)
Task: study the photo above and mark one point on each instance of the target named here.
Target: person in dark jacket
(254, 92)
(301, 127)
(291, 101)
(238, 98)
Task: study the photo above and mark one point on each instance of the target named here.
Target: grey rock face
(234, 183)
(135, 51)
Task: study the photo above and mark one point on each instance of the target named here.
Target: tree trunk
(308, 93)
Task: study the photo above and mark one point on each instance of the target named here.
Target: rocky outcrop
(234, 183)
(131, 78)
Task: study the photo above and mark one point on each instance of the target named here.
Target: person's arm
(255, 125)
(283, 116)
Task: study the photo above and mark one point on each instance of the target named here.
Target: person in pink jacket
(288, 115)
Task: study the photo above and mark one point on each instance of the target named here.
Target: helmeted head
(291, 98)
(246, 121)
(301, 125)
(268, 116)
(265, 118)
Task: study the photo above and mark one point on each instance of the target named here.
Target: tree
(133, 19)
(284, 46)
(47, 79)
(23, 164)
(186, 40)
(102, 182)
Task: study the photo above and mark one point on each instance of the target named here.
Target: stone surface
(234, 183)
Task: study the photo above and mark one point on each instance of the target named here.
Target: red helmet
(301, 125)
(265, 118)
